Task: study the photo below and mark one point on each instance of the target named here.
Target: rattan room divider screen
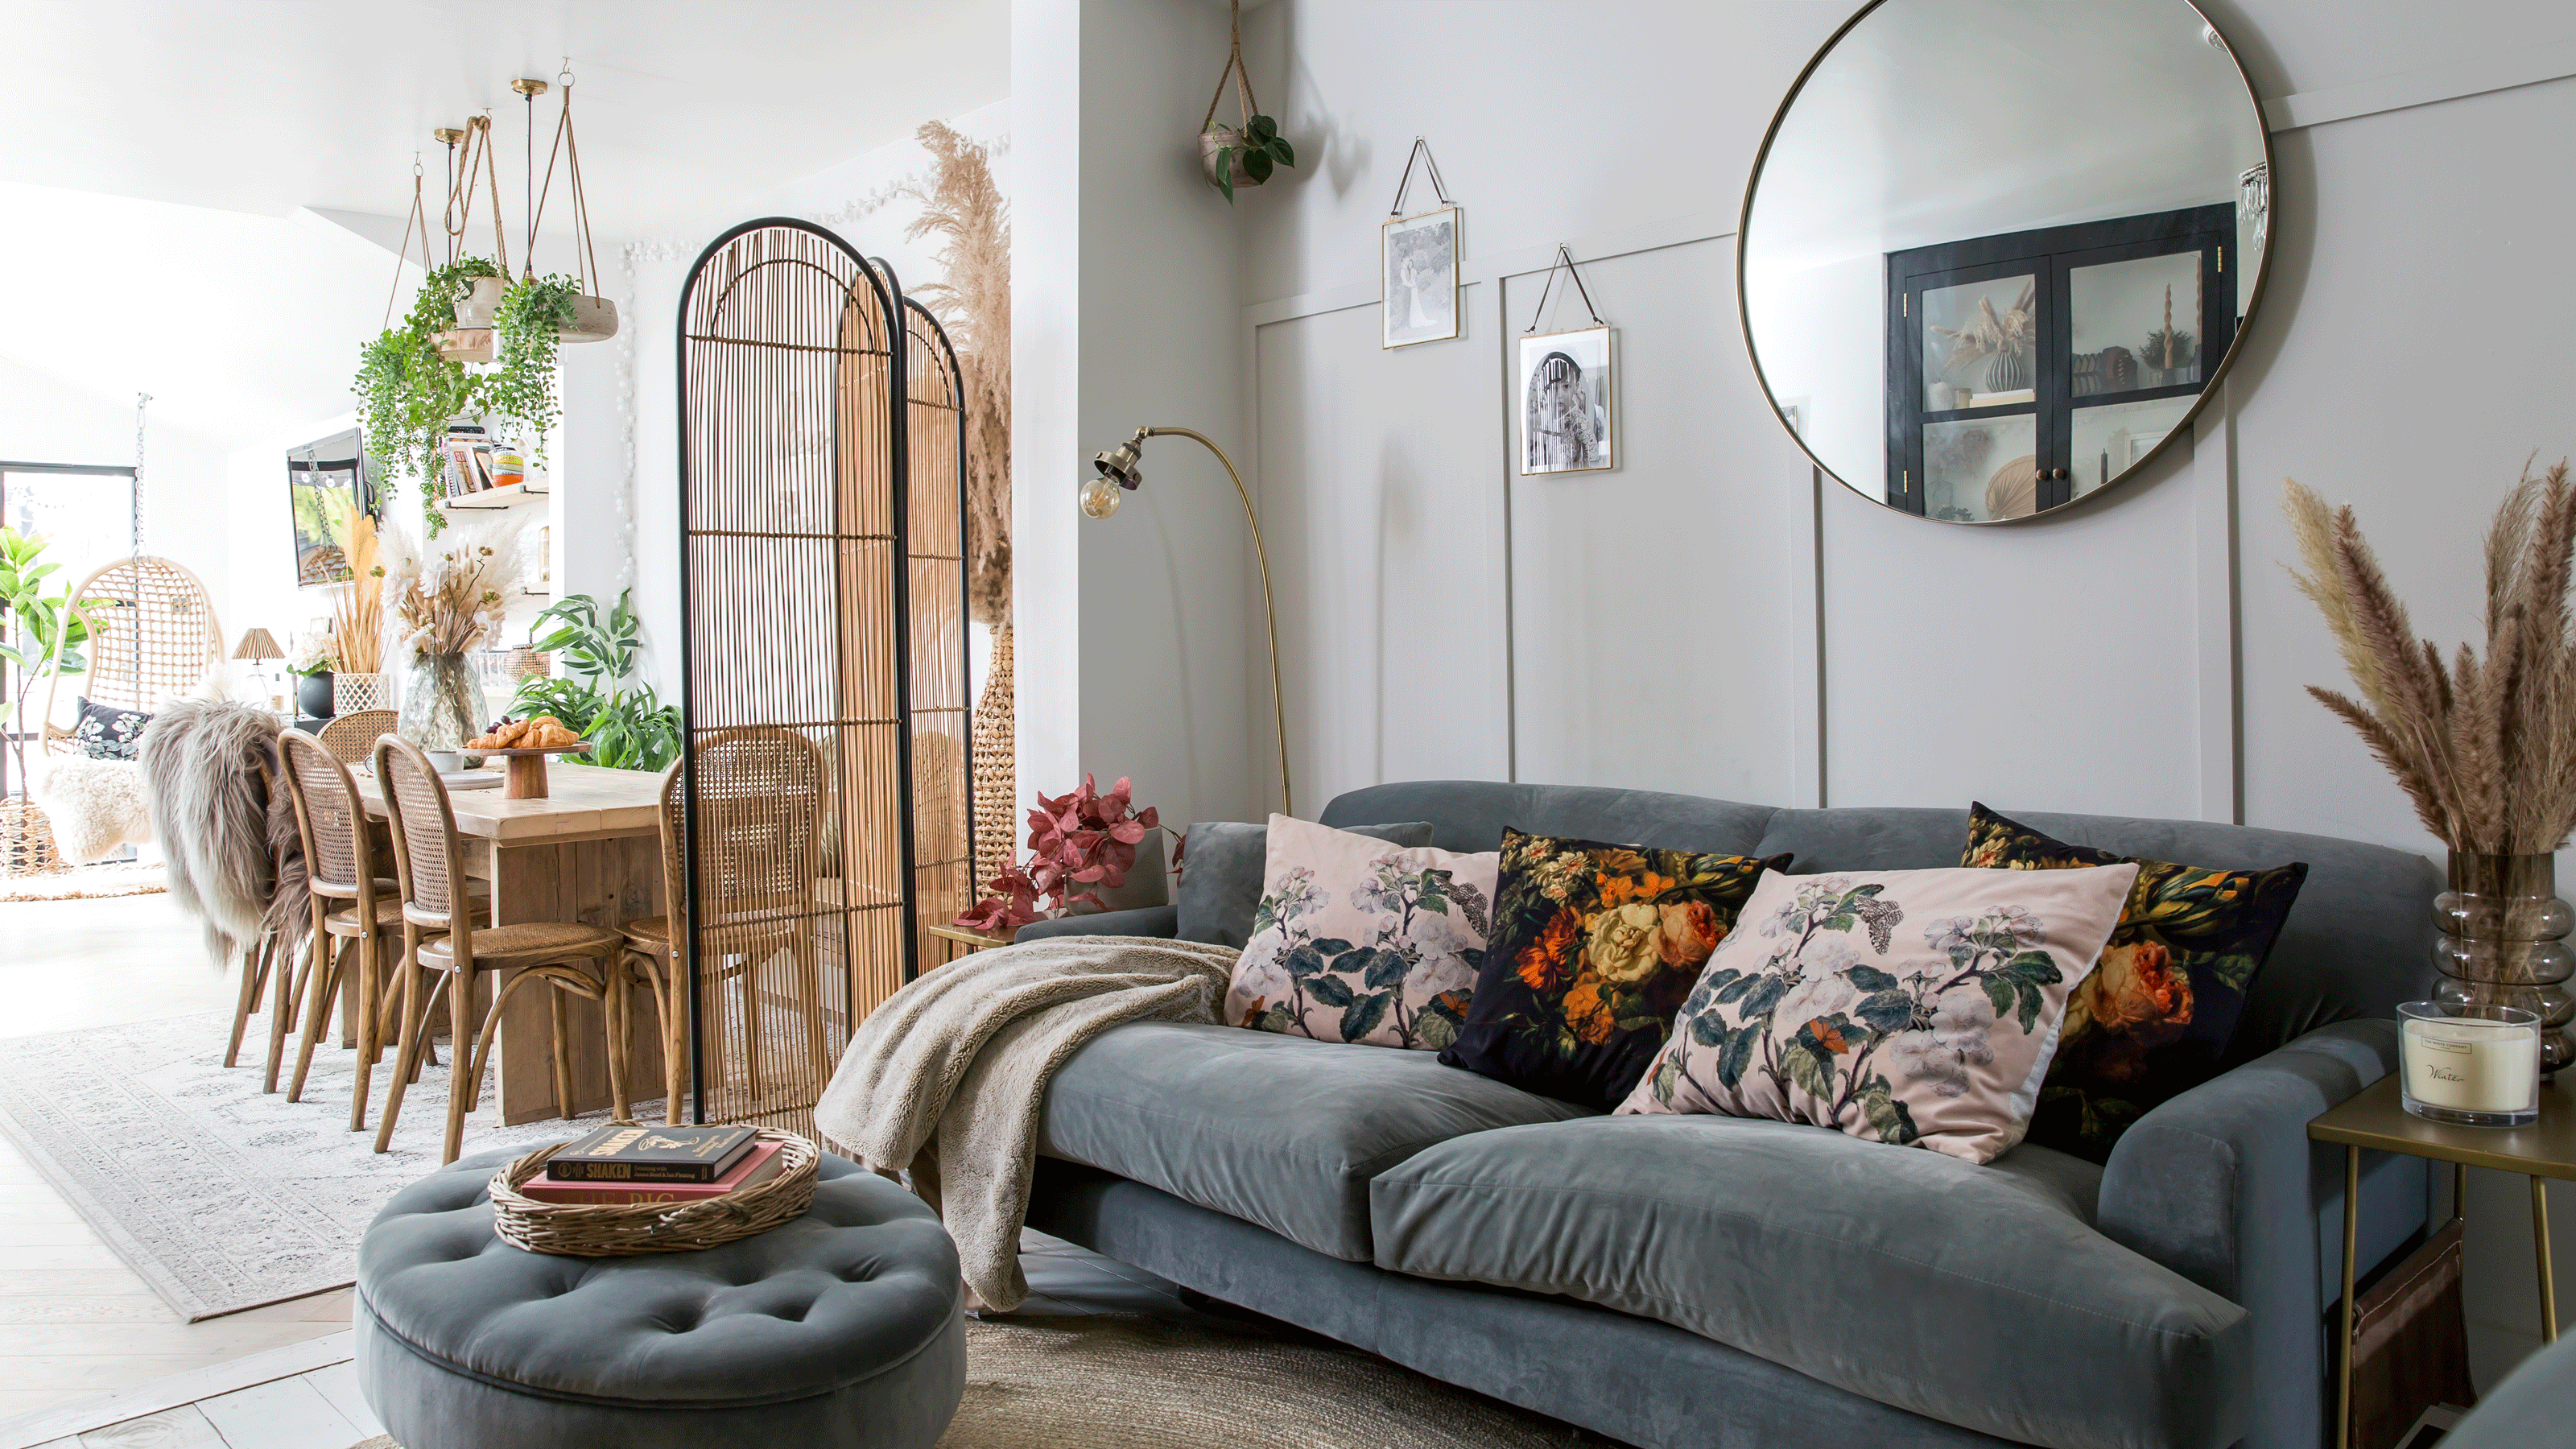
(817, 654)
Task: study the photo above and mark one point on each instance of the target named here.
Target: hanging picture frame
(1418, 264)
(1566, 389)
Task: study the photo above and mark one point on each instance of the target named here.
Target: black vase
(313, 694)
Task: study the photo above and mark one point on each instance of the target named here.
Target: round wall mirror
(1995, 252)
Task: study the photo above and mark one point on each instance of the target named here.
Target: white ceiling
(195, 142)
(680, 105)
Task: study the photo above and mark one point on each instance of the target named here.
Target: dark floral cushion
(1592, 950)
(108, 733)
(2155, 1016)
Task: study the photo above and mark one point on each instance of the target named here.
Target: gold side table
(2377, 1120)
(973, 941)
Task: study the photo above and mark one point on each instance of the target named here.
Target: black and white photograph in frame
(1565, 402)
(1421, 258)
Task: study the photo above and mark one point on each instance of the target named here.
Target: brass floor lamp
(1118, 470)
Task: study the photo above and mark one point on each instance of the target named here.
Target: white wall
(1667, 623)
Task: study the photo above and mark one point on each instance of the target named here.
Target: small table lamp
(258, 646)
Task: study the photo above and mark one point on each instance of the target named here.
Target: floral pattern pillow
(1914, 1007)
(104, 732)
(1363, 942)
(1594, 948)
(2153, 1020)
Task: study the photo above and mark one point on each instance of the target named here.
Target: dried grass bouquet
(445, 603)
(2485, 747)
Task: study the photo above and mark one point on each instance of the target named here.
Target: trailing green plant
(408, 393)
(628, 726)
(526, 333)
(39, 635)
(1258, 144)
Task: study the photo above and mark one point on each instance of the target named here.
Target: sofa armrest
(2222, 1185)
(1144, 921)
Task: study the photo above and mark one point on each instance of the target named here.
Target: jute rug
(220, 1196)
(1120, 1382)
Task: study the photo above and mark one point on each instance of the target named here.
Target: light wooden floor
(74, 1320)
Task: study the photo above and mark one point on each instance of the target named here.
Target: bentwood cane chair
(352, 737)
(355, 912)
(759, 836)
(566, 957)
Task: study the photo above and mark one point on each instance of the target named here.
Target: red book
(760, 1164)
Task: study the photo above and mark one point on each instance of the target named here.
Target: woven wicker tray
(582, 1231)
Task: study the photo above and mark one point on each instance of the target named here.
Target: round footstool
(843, 1327)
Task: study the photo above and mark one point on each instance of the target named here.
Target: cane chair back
(333, 824)
(758, 831)
(352, 737)
(427, 857)
(152, 634)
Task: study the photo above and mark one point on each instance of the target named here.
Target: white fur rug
(222, 1197)
(94, 806)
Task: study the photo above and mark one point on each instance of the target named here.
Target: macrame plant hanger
(1233, 71)
(1422, 153)
(417, 223)
(460, 193)
(1564, 263)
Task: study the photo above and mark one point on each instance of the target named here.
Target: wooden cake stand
(526, 777)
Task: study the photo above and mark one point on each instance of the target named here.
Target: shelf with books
(508, 495)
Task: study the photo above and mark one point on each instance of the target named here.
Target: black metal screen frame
(944, 356)
(889, 308)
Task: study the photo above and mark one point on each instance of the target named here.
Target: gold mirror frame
(2180, 429)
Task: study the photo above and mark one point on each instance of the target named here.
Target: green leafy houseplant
(408, 392)
(526, 330)
(39, 636)
(628, 726)
(1257, 145)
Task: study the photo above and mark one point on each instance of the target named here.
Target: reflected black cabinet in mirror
(2027, 369)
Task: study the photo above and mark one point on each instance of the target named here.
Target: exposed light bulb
(1100, 496)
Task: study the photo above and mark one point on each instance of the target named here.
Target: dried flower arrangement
(358, 611)
(1076, 840)
(2485, 748)
(973, 302)
(447, 602)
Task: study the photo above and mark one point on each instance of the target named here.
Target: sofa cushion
(1471, 814)
(1977, 1295)
(1221, 866)
(2157, 1013)
(1276, 1130)
(2359, 940)
(1360, 941)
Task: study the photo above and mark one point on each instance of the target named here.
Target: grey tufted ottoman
(845, 1327)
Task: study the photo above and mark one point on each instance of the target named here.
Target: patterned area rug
(223, 1197)
(89, 882)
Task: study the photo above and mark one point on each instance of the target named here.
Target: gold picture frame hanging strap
(1421, 152)
(1564, 263)
(1234, 70)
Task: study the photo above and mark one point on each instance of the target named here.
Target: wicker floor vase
(997, 783)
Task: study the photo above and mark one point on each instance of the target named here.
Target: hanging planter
(481, 302)
(1243, 154)
(579, 314)
(594, 319)
(465, 344)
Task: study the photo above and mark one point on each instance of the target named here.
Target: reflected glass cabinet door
(2028, 369)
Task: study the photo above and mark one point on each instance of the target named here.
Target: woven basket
(574, 1231)
(27, 841)
(996, 773)
(351, 693)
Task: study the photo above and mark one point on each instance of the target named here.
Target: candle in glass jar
(2479, 1067)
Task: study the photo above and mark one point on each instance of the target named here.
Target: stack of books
(622, 1165)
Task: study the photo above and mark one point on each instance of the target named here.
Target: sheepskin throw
(958, 1063)
(236, 862)
(94, 805)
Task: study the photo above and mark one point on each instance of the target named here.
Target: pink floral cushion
(1360, 941)
(1917, 1007)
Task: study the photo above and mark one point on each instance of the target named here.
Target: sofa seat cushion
(1981, 1296)
(1275, 1130)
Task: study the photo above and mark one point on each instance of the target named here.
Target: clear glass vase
(2503, 943)
(440, 703)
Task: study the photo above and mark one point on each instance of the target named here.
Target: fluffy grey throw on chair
(226, 824)
(958, 1061)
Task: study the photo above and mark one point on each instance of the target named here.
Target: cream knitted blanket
(959, 1060)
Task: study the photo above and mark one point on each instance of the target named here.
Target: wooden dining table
(589, 850)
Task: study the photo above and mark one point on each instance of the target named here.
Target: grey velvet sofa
(1688, 1281)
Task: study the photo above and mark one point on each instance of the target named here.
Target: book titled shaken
(651, 1154)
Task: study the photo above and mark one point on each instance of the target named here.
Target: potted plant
(1243, 154)
(530, 323)
(409, 387)
(312, 666)
(628, 726)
